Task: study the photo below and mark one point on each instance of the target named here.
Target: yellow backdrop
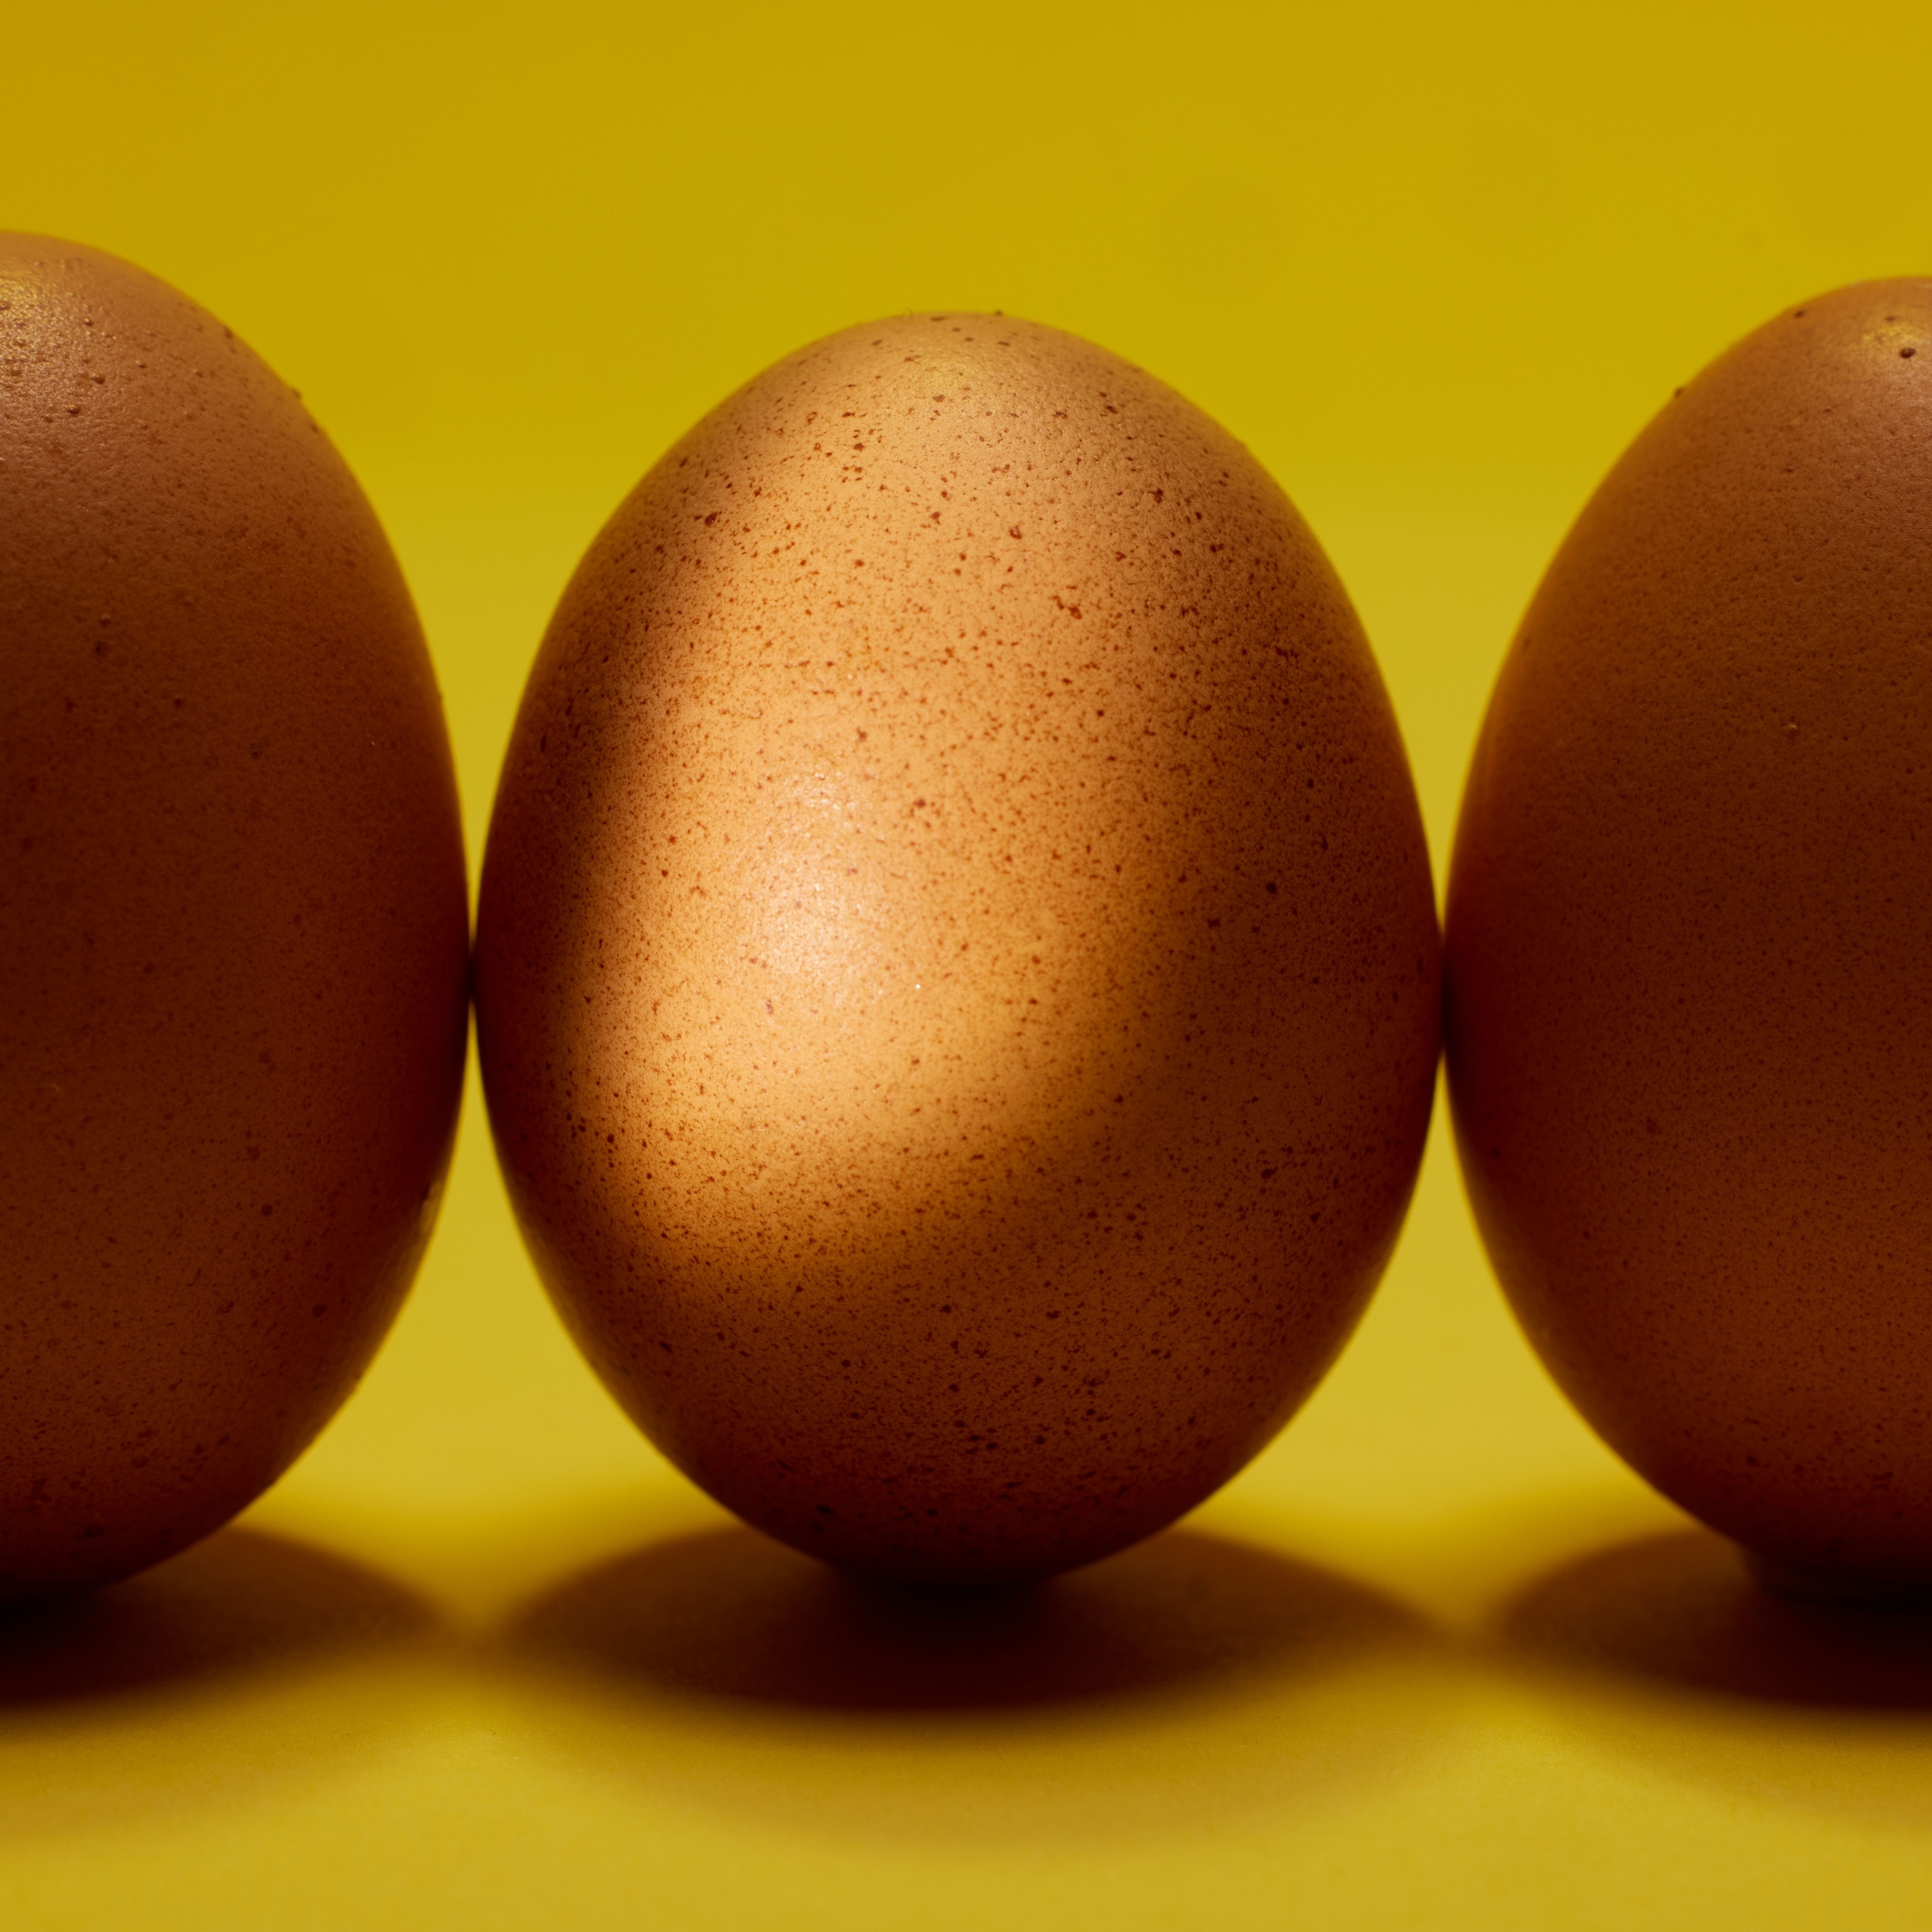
(482, 1660)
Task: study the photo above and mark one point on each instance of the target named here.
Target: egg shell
(232, 923)
(957, 970)
(1690, 1006)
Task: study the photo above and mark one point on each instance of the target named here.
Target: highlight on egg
(1689, 1009)
(957, 971)
(233, 924)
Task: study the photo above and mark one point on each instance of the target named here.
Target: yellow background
(1436, 263)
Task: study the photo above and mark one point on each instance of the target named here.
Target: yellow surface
(482, 1659)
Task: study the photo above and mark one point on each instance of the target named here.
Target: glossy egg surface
(957, 975)
(1690, 947)
(231, 923)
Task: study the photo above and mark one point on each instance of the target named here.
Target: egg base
(1815, 1585)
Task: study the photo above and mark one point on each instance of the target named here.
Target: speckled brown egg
(1689, 948)
(231, 923)
(957, 976)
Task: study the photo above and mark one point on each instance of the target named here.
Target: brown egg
(231, 923)
(957, 976)
(1689, 948)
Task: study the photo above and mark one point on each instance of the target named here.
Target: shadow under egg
(241, 1603)
(218, 1676)
(1186, 1675)
(1686, 1611)
(729, 1613)
(1670, 1648)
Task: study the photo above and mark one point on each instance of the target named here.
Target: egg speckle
(957, 976)
(1690, 1015)
(231, 923)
